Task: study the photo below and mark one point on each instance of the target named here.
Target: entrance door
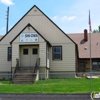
(28, 55)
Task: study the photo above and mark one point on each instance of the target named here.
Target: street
(45, 97)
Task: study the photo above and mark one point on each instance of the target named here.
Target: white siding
(15, 53)
(68, 59)
(5, 65)
(42, 54)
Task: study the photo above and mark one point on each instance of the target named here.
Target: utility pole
(7, 20)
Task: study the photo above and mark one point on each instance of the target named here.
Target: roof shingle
(1, 37)
(84, 46)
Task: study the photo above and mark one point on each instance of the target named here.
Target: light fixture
(28, 27)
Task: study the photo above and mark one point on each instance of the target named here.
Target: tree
(97, 30)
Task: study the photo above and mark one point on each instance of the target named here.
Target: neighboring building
(1, 37)
(37, 36)
(83, 54)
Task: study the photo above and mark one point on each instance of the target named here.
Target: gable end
(46, 17)
(36, 31)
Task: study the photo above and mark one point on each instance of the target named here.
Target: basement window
(9, 53)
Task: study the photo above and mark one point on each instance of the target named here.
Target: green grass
(70, 85)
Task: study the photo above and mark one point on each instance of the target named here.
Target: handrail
(36, 65)
(17, 65)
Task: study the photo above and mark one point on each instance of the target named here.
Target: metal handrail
(17, 65)
(36, 65)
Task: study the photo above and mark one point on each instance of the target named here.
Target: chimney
(85, 35)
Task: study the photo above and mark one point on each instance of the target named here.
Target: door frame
(21, 46)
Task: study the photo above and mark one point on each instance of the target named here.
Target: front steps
(24, 75)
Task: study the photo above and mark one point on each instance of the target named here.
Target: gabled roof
(45, 16)
(84, 46)
(1, 37)
(35, 30)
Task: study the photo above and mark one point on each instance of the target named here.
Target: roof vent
(97, 43)
(85, 48)
(35, 10)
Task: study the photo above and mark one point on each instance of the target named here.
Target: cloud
(65, 18)
(72, 18)
(55, 17)
(7, 2)
(3, 28)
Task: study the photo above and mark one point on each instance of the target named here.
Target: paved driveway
(44, 97)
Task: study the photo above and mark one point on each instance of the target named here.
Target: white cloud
(3, 28)
(7, 2)
(65, 18)
(55, 17)
(71, 18)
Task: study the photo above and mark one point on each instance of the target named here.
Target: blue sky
(70, 15)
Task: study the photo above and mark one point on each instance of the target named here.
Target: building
(35, 36)
(1, 37)
(83, 51)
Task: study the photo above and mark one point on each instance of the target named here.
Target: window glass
(99, 64)
(9, 53)
(35, 51)
(82, 64)
(94, 63)
(25, 51)
(57, 53)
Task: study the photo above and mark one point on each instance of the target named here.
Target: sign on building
(29, 37)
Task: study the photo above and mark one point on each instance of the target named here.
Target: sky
(72, 16)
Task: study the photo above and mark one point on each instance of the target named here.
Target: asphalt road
(45, 97)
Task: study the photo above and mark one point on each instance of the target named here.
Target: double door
(28, 55)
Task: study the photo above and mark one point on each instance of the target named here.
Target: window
(82, 64)
(96, 65)
(25, 51)
(9, 53)
(57, 53)
(35, 51)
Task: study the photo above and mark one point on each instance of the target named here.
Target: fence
(55, 83)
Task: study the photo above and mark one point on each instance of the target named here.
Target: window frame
(24, 53)
(33, 52)
(82, 64)
(9, 54)
(95, 66)
(53, 53)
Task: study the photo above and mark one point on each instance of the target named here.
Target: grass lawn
(69, 85)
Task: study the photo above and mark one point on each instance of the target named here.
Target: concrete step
(24, 75)
(24, 71)
(23, 78)
(25, 68)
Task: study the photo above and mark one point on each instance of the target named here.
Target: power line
(11, 18)
(11, 22)
(2, 6)
(2, 10)
(2, 13)
(2, 17)
(13, 15)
